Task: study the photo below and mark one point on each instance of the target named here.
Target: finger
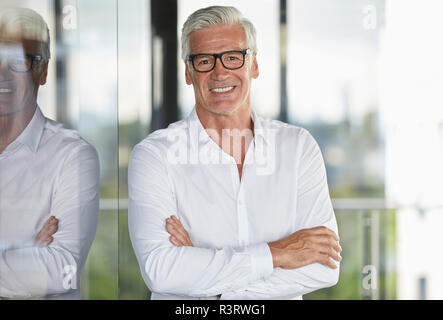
(179, 231)
(51, 229)
(326, 240)
(175, 241)
(179, 227)
(54, 221)
(51, 221)
(41, 237)
(43, 232)
(188, 242)
(325, 260)
(332, 253)
(49, 241)
(46, 242)
(175, 219)
(38, 237)
(325, 231)
(172, 230)
(177, 222)
(328, 250)
(48, 231)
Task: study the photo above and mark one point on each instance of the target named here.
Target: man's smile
(222, 89)
(6, 90)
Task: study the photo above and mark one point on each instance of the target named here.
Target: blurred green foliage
(99, 278)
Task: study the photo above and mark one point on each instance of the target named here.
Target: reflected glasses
(231, 60)
(20, 63)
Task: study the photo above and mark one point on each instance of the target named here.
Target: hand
(305, 247)
(179, 236)
(44, 237)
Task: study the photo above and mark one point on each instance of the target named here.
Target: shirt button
(243, 242)
(240, 202)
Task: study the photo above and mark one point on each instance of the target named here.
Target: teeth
(226, 89)
(4, 90)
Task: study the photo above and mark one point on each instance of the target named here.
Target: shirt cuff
(261, 261)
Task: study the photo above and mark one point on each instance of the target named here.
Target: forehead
(19, 45)
(218, 38)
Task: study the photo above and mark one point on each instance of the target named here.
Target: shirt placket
(242, 216)
(239, 191)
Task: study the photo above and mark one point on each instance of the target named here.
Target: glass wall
(93, 70)
(81, 92)
(134, 113)
(333, 70)
(364, 77)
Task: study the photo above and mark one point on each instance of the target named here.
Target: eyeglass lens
(230, 60)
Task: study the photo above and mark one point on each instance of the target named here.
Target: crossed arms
(299, 249)
(40, 269)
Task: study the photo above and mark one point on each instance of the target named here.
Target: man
(225, 204)
(49, 176)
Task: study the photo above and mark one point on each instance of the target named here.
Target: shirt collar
(33, 132)
(259, 130)
(196, 127)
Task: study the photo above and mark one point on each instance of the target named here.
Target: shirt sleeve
(314, 208)
(41, 271)
(189, 271)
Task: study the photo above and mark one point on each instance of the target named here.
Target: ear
(188, 75)
(43, 74)
(254, 68)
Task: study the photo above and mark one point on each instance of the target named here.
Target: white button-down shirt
(47, 171)
(181, 171)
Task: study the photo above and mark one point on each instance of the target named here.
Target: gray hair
(26, 24)
(213, 16)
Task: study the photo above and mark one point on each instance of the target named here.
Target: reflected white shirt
(181, 171)
(47, 171)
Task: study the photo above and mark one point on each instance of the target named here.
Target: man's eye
(233, 58)
(203, 62)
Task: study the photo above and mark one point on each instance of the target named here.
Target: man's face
(216, 40)
(18, 90)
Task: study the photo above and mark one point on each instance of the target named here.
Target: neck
(232, 132)
(12, 125)
(241, 119)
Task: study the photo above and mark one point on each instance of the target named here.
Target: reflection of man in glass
(240, 228)
(49, 176)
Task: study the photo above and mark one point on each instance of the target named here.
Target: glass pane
(134, 91)
(332, 81)
(333, 70)
(411, 100)
(80, 93)
(367, 83)
(95, 59)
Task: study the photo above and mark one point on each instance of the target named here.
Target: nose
(219, 72)
(4, 68)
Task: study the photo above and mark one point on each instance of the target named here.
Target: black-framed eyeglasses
(21, 63)
(231, 60)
